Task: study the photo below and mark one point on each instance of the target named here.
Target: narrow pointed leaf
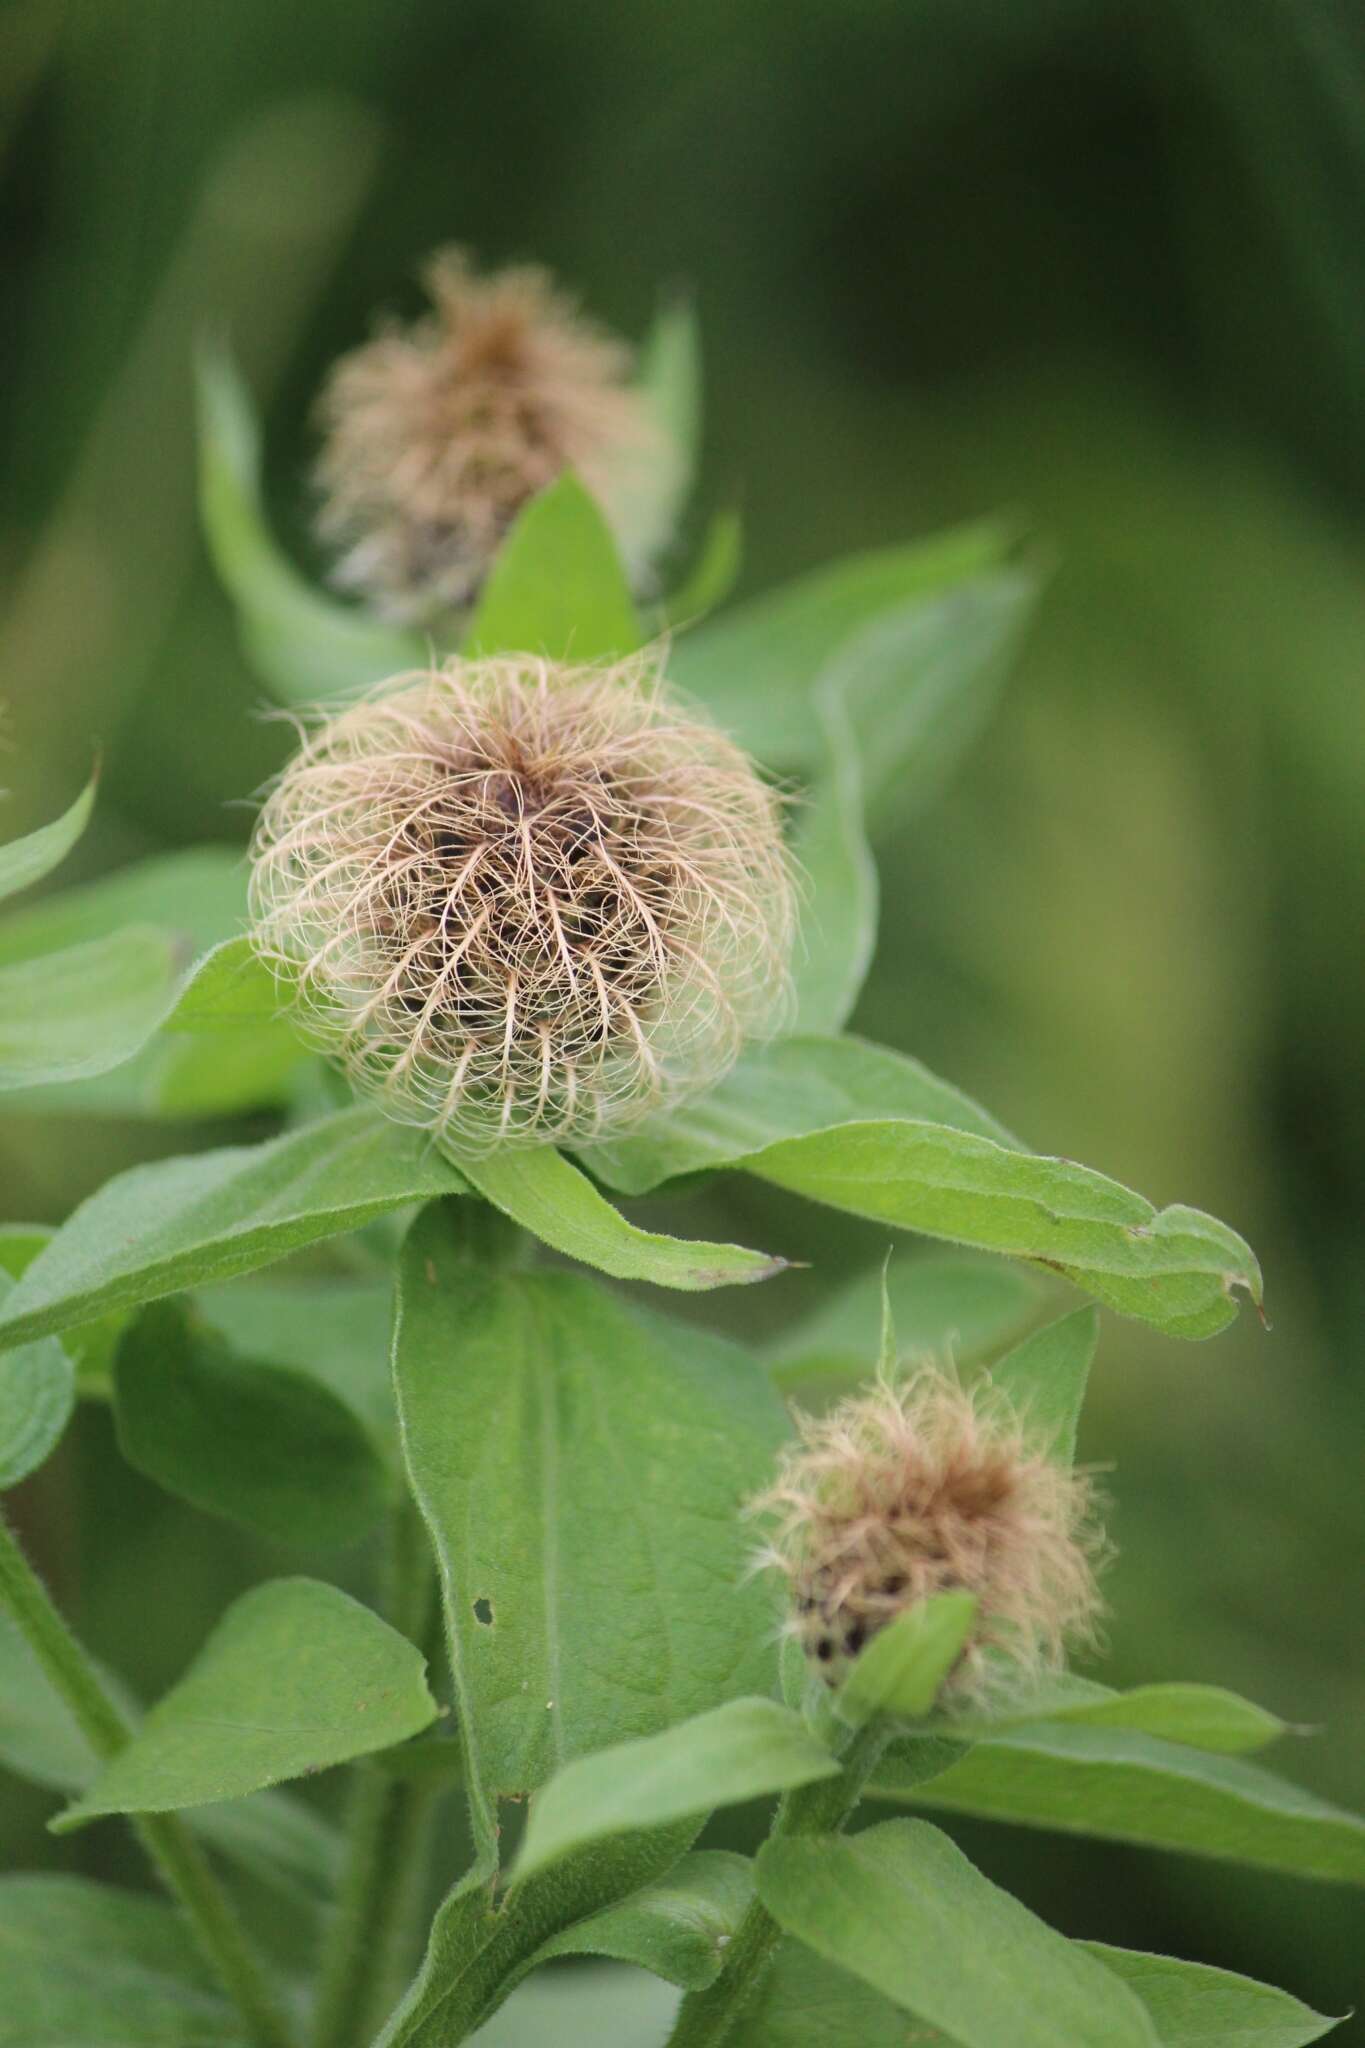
(181, 1223)
(27, 860)
(670, 381)
(1191, 2005)
(1044, 1379)
(755, 666)
(1200, 1716)
(900, 1906)
(742, 1750)
(788, 1090)
(296, 1677)
(307, 647)
(957, 1303)
(557, 587)
(840, 898)
(1174, 1268)
(902, 1668)
(1132, 1787)
(549, 1196)
(712, 576)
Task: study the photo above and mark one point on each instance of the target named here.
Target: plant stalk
(708, 2018)
(178, 1859)
(386, 1833)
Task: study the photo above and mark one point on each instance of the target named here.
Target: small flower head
(438, 433)
(525, 902)
(925, 1487)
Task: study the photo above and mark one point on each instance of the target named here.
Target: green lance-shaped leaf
(901, 1907)
(840, 899)
(297, 1676)
(557, 586)
(272, 1834)
(1132, 1787)
(1191, 2005)
(902, 1668)
(1200, 1716)
(808, 2002)
(181, 1223)
(926, 682)
(306, 647)
(548, 1195)
(82, 1963)
(788, 1090)
(670, 382)
(90, 1347)
(79, 1012)
(1044, 1379)
(742, 1750)
(803, 1114)
(581, 1468)
(27, 860)
(955, 1303)
(712, 575)
(37, 1396)
(270, 1448)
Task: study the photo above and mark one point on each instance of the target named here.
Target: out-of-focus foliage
(1098, 265)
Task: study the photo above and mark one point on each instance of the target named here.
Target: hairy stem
(710, 2017)
(385, 1838)
(177, 1857)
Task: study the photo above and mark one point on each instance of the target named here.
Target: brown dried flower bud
(437, 434)
(523, 902)
(905, 1491)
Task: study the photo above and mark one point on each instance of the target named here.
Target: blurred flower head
(437, 434)
(908, 1490)
(524, 902)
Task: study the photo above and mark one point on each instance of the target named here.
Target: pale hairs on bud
(436, 434)
(524, 902)
(923, 1486)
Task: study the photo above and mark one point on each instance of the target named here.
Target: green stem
(708, 2018)
(179, 1861)
(385, 1834)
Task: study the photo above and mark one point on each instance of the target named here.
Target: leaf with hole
(581, 1466)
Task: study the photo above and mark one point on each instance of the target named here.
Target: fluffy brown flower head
(436, 435)
(525, 902)
(924, 1487)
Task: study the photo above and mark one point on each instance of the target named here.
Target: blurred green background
(1100, 266)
